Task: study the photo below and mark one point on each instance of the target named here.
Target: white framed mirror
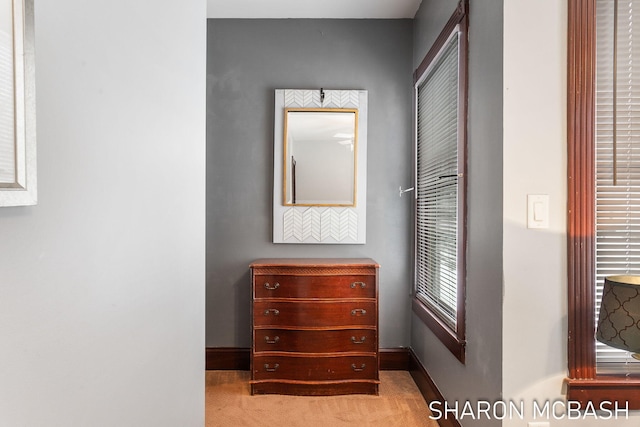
(320, 156)
(320, 166)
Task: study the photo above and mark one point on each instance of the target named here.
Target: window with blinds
(617, 153)
(437, 183)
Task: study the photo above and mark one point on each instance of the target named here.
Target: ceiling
(354, 9)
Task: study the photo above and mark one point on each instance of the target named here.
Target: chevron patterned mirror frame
(320, 224)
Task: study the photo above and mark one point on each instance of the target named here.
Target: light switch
(538, 211)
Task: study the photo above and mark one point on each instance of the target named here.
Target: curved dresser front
(314, 326)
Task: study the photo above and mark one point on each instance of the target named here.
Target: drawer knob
(271, 288)
(355, 368)
(275, 367)
(358, 341)
(270, 311)
(356, 284)
(272, 341)
(358, 311)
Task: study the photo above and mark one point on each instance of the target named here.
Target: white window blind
(437, 184)
(617, 153)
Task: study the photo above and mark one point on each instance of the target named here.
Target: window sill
(625, 391)
(455, 345)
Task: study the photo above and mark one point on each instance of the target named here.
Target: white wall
(535, 270)
(102, 283)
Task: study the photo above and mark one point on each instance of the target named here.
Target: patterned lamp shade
(619, 320)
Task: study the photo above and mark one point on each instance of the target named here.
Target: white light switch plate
(537, 211)
(538, 424)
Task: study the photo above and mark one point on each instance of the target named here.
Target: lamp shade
(619, 320)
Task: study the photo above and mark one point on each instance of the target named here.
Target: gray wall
(247, 61)
(481, 377)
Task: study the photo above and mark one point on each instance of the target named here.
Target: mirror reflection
(320, 147)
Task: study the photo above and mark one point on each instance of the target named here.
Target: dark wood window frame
(584, 384)
(453, 340)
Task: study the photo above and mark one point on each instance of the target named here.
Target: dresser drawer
(334, 341)
(314, 313)
(282, 286)
(315, 368)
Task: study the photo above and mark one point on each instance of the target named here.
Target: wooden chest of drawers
(314, 326)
